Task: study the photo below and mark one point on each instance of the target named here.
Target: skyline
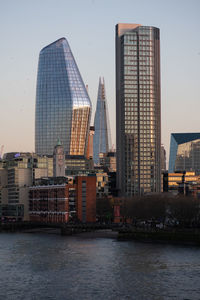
(30, 26)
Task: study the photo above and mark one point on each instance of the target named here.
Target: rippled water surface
(50, 266)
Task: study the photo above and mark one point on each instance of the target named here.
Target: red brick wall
(90, 198)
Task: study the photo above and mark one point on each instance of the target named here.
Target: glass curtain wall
(63, 106)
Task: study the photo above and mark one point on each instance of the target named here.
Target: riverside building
(138, 117)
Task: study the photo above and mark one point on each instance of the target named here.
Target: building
(184, 152)
(86, 198)
(102, 137)
(77, 164)
(90, 143)
(102, 184)
(58, 160)
(108, 161)
(138, 116)
(18, 171)
(63, 106)
(49, 200)
(15, 180)
(163, 159)
(187, 183)
(60, 199)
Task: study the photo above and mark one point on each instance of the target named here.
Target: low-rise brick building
(60, 199)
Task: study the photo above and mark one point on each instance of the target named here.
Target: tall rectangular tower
(138, 124)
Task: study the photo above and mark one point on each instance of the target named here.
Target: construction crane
(1, 151)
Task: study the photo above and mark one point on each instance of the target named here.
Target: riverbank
(167, 236)
(170, 236)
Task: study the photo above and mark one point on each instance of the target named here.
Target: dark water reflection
(45, 266)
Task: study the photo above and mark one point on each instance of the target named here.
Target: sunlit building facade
(184, 152)
(102, 136)
(63, 106)
(138, 116)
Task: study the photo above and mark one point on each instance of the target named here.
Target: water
(50, 266)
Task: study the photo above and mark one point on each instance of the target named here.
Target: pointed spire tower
(102, 136)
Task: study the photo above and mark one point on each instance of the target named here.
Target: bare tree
(104, 209)
(185, 210)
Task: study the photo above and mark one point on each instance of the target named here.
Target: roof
(182, 138)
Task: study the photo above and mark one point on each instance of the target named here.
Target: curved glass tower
(102, 137)
(63, 107)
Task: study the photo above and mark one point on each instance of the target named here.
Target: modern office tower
(163, 158)
(184, 152)
(138, 119)
(102, 137)
(63, 106)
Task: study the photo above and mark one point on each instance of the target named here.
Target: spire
(102, 138)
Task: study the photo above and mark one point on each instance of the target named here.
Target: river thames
(49, 266)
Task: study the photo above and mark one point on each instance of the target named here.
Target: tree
(185, 210)
(104, 209)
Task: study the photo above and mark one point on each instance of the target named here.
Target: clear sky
(26, 26)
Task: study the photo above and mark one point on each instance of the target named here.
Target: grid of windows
(61, 96)
(185, 152)
(139, 123)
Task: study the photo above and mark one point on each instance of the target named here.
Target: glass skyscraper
(138, 117)
(63, 106)
(102, 136)
(184, 152)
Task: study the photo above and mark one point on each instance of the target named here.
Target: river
(49, 266)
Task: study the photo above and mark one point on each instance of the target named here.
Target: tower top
(121, 28)
(58, 142)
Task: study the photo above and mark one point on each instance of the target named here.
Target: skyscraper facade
(63, 106)
(102, 137)
(184, 152)
(138, 117)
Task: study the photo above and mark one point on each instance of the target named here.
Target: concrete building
(138, 112)
(17, 173)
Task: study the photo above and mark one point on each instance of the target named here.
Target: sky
(27, 26)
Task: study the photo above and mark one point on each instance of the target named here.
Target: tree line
(164, 209)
